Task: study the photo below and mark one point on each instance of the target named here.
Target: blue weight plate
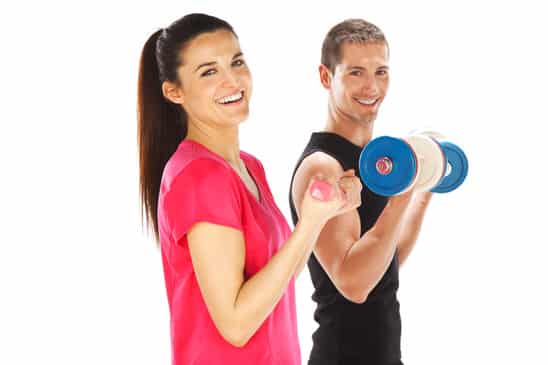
(403, 169)
(445, 163)
(458, 165)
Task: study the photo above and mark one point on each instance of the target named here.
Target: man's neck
(357, 132)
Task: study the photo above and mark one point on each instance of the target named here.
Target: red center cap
(384, 166)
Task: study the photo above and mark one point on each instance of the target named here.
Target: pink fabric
(199, 186)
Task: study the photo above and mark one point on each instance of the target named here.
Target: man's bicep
(334, 243)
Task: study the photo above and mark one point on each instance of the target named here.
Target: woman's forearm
(259, 295)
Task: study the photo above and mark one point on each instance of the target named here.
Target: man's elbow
(354, 293)
(357, 297)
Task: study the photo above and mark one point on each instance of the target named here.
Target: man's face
(360, 81)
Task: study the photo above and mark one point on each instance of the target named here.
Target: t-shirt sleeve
(205, 191)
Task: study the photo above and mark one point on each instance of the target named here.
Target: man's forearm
(412, 226)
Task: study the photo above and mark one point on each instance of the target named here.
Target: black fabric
(350, 333)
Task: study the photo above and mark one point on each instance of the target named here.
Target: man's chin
(367, 118)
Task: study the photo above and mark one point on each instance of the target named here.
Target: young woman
(228, 254)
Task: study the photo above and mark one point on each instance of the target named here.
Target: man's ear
(325, 76)
(172, 92)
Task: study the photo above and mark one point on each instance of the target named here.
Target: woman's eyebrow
(239, 54)
(205, 65)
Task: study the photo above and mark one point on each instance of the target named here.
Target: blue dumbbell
(390, 166)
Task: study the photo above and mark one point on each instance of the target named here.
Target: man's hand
(351, 187)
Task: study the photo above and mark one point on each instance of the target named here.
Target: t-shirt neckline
(259, 201)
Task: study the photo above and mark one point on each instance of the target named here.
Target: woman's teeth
(231, 98)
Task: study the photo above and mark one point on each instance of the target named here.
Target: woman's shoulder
(196, 164)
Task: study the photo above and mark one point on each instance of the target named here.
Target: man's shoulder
(321, 161)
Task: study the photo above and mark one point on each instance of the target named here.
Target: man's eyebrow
(363, 68)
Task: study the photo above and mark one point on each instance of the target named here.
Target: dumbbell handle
(384, 165)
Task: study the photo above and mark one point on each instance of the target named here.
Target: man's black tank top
(350, 333)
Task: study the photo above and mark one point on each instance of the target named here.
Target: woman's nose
(231, 80)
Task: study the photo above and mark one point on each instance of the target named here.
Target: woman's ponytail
(161, 127)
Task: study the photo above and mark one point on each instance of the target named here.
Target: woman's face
(215, 80)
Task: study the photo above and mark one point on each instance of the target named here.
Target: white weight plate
(430, 133)
(417, 169)
(431, 161)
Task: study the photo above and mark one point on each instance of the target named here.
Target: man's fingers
(348, 182)
(350, 172)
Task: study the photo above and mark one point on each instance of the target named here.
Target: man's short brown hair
(350, 30)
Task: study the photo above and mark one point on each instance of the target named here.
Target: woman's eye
(209, 72)
(238, 63)
(382, 72)
(356, 73)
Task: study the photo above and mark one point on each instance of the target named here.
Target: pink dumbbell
(321, 190)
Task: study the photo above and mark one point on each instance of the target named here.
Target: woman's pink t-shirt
(200, 186)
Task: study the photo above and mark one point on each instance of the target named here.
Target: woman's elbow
(235, 335)
(237, 341)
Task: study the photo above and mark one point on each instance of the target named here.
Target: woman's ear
(172, 92)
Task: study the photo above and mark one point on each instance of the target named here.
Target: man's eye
(356, 73)
(382, 72)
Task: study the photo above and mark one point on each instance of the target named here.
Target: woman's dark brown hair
(162, 125)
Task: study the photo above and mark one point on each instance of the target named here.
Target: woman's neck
(224, 142)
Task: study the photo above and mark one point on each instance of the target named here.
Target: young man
(355, 262)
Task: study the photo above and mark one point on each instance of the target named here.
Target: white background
(81, 283)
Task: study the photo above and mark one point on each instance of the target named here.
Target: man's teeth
(231, 98)
(367, 101)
